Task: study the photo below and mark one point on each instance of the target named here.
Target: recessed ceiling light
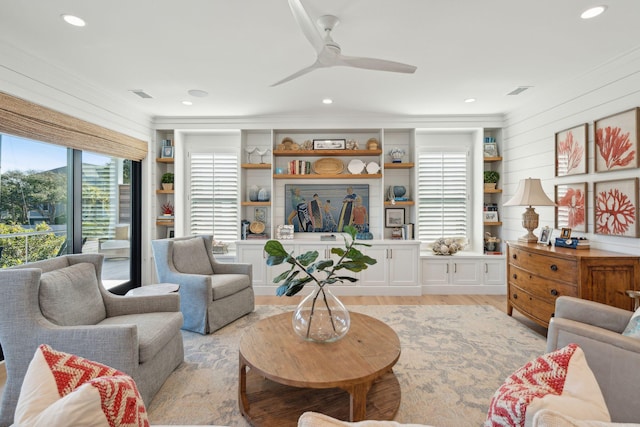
(470, 100)
(593, 12)
(73, 20)
(198, 93)
(327, 101)
(187, 103)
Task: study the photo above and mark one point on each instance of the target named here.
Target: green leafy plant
(167, 178)
(305, 269)
(491, 177)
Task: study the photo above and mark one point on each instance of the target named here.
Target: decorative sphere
(399, 190)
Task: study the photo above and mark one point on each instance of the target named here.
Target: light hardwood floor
(498, 301)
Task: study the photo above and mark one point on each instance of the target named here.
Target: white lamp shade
(530, 193)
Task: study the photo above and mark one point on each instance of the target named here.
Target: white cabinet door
(376, 274)
(403, 265)
(466, 271)
(324, 252)
(494, 272)
(435, 271)
(254, 255)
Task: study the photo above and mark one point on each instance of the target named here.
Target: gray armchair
(61, 302)
(212, 294)
(613, 358)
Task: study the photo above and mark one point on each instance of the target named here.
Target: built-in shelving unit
(494, 196)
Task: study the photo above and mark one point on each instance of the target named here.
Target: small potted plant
(167, 209)
(491, 179)
(167, 181)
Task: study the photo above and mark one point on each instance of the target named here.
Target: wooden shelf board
(164, 159)
(165, 223)
(329, 176)
(497, 190)
(400, 203)
(255, 203)
(399, 165)
(256, 166)
(493, 159)
(326, 153)
(489, 224)
(165, 191)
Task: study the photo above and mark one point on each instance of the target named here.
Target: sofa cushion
(560, 380)
(60, 389)
(155, 330)
(228, 284)
(314, 419)
(633, 327)
(190, 257)
(70, 296)
(548, 418)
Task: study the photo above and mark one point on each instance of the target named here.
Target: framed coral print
(617, 141)
(616, 207)
(571, 151)
(571, 206)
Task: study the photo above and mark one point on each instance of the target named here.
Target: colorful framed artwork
(616, 139)
(571, 206)
(571, 151)
(393, 217)
(323, 208)
(616, 207)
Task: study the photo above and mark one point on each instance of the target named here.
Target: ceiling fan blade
(375, 64)
(306, 24)
(297, 74)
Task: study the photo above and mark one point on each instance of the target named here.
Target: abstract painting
(617, 141)
(571, 206)
(571, 151)
(326, 207)
(616, 207)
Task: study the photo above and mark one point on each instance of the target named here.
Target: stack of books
(166, 218)
(252, 236)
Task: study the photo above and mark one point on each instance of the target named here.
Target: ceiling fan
(329, 52)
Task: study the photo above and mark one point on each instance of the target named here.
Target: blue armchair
(212, 294)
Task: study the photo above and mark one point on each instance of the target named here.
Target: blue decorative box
(566, 243)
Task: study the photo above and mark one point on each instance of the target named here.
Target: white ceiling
(235, 49)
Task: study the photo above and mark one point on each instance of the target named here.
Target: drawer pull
(515, 276)
(515, 296)
(514, 256)
(554, 292)
(554, 267)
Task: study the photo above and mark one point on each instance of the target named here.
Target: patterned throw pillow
(633, 327)
(561, 381)
(61, 389)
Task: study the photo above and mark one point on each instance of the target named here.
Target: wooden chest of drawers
(537, 275)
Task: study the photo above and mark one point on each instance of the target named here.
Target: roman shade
(25, 119)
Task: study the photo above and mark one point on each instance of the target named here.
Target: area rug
(453, 359)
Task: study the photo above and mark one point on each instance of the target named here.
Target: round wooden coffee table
(281, 375)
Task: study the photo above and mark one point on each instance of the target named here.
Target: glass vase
(321, 317)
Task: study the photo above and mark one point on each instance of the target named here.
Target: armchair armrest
(118, 305)
(232, 268)
(592, 313)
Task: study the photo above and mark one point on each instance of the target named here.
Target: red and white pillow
(561, 381)
(61, 389)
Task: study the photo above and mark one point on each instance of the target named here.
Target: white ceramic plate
(356, 166)
(373, 167)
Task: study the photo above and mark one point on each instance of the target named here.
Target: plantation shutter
(442, 195)
(214, 189)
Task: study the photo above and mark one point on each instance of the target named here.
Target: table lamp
(529, 193)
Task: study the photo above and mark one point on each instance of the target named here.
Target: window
(443, 199)
(214, 189)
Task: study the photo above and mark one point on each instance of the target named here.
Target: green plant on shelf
(167, 178)
(491, 177)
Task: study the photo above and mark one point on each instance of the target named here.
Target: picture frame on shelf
(393, 217)
(616, 207)
(565, 233)
(571, 150)
(171, 233)
(571, 206)
(545, 236)
(167, 152)
(490, 149)
(329, 144)
(616, 140)
(260, 214)
(490, 216)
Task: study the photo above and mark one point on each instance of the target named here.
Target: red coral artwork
(571, 151)
(616, 207)
(617, 141)
(571, 206)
